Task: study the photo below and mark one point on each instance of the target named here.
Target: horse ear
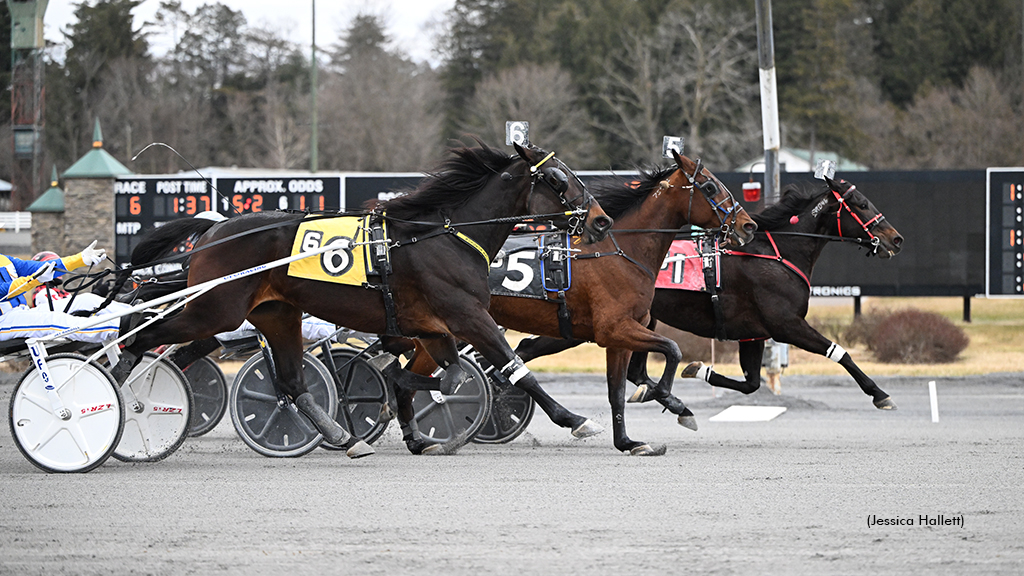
(678, 159)
(521, 152)
(834, 185)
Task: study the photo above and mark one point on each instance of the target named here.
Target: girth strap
(711, 264)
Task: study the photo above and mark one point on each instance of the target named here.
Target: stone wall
(88, 213)
(48, 232)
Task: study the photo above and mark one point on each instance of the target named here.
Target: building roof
(50, 201)
(97, 163)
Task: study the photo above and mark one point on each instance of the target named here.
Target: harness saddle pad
(531, 267)
(346, 265)
(685, 273)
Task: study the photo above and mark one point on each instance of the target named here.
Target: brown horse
(441, 238)
(766, 287)
(613, 280)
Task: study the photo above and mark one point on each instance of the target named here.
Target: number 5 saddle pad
(531, 267)
(348, 264)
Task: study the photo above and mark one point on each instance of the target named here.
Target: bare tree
(709, 64)
(379, 114)
(694, 77)
(632, 90)
(971, 127)
(541, 95)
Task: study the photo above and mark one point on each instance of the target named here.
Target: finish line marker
(934, 399)
(748, 414)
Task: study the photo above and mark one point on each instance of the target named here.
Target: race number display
(143, 203)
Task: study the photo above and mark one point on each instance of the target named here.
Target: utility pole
(313, 137)
(769, 100)
(776, 355)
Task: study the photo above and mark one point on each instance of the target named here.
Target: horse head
(719, 208)
(565, 193)
(857, 217)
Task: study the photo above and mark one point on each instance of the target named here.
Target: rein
(618, 252)
(777, 257)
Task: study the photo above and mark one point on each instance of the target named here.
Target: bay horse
(441, 239)
(613, 280)
(765, 286)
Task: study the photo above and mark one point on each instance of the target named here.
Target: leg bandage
(515, 370)
(835, 352)
(704, 373)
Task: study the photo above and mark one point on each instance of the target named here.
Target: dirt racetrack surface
(794, 495)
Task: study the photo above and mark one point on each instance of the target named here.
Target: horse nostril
(602, 223)
(897, 241)
(750, 227)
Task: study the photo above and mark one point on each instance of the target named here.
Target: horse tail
(161, 241)
(156, 245)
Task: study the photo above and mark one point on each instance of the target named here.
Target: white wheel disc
(158, 407)
(85, 440)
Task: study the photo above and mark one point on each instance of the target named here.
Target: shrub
(916, 337)
(862, 330)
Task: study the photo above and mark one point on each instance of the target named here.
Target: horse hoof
(646, 450)
(640, 395)
(359, 449)
(587, 429)
(691, 370)
(885, 404)
(432, 450)
(687, 421)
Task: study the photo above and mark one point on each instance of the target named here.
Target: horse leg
(616, 361)
(421, 363)
(281, 325)
(481, 331)
(801, 334)
(636, 337)
(751, 352)
(538, 346)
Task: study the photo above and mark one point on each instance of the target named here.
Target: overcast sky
(408, 21)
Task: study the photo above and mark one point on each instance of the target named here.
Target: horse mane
(795, 199)
(451, 183)
(618, 198)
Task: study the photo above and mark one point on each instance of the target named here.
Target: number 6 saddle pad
(348, 264)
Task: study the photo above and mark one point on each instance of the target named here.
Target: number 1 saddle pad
(682, 269)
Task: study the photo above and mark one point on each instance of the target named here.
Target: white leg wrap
(704, 373)
(515, 370)
(835, 352)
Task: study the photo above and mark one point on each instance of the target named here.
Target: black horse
(440, 240)
(765, 288)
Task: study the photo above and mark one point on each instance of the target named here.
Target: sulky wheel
(511, 408)
(441, 417)
(81, 442)
(157, 407)
(271, 425)
(362, 394)
(511, 412)
(210, 394)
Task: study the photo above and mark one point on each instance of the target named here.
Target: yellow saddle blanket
(349, 264)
